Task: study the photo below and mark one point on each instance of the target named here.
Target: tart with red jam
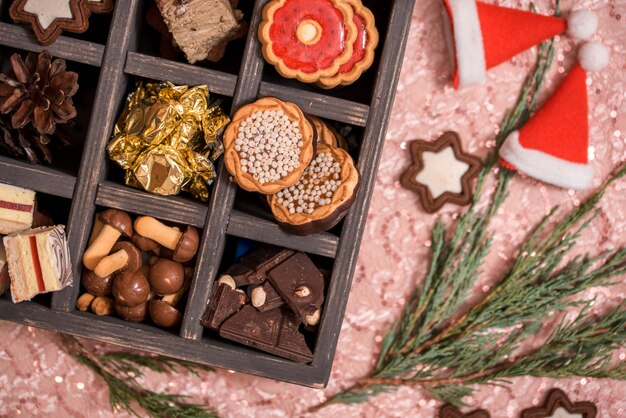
(307, 39)
(362, 50)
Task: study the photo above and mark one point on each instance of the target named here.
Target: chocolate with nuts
(253, 267)
(300, 284)
(275, 331)
(225, 302)
(265, 297)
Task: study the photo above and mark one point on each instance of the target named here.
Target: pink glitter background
(37, 377)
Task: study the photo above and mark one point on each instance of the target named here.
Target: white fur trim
(545, 167)
(593, 56)
(582, 24)
(468, 42)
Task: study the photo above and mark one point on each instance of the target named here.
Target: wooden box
(117, 51)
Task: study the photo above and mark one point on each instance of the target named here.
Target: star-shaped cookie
(441, 172)
(51, 17)
(100, 6)
(449, 411)
(558, 405)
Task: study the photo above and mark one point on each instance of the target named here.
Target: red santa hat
(483, 36)
(553, 145)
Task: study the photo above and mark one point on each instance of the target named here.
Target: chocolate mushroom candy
(184, 244)
(96, 285)
(131, 289)
(124, 257)
(163, 312)
(143, 243)
(133, 314)
(166, 276)
(116, 223)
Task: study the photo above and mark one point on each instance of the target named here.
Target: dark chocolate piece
(265, 297)
(260, 261)
(556, 400)
(240, 274)
(225, 301)
(416, 178)
(300, 284)
(449, 411)
(274, 331)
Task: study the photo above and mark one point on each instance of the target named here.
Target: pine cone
(38, 91)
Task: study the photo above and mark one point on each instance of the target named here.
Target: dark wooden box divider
(38, 178)
(167, 208)
(248, 226)
(318, 104)
(223, 195)
(112, 88)
(179, 73)
(121, 62)
(22, 37)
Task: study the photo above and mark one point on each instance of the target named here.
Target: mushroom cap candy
(119, 220)
(166, 276)
(134, 314)
(143, 243)
(134, 255)
(96, 285)
(187, 246)
(131, 288)
(164, 314)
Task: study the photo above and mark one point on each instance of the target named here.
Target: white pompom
(582, 24)
(593, 56)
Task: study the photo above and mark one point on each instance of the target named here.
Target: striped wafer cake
(38, 261)
(16, 208)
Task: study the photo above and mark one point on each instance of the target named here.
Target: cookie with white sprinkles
(268, 145)
(323, 195)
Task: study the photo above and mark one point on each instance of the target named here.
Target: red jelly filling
(358, 50)
(308, 58)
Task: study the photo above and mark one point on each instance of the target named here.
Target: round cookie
(323, 195)
(307, 39)
(268, 145)
(363, 49)
(327, 134)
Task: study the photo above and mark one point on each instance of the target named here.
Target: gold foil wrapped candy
(168, 138)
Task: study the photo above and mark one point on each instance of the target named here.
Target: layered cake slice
(4, 271)
(38, 261)
(16, 208)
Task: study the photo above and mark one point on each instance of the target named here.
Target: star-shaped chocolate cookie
(51, 17)
(449, 411)
(100, 6)
(441, 172)
(558, 405)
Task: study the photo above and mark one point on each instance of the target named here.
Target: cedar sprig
(446, 350)
(121, 370)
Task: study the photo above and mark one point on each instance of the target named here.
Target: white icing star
(562, 413)
(442, 172)
(48, 11)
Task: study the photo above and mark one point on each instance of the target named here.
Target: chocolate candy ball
(97, 286)
(163, 314)
(131, 288)
(166, 276)
(133, 314)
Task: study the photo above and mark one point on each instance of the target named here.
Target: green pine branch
(446, 350)
(121, 370)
